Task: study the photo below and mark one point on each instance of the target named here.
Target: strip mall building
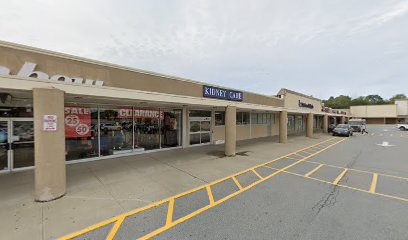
(57, 109)
(382, 114)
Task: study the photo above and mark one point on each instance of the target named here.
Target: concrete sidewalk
(102, 189)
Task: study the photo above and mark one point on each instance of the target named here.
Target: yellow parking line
(313, 171)
(318, 148)
(170, 210)
(359, 170)
(257, 174)
(155, 204)
(115, 228)
(307, 152)
(335, 182)
(210, 195)
(180, 220)
(353, 188)
(237, 183)
(374, 183)
(300, 155)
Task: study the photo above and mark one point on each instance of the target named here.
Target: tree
(397, 97)
(338, 102)
(359, 101)
(375, 100)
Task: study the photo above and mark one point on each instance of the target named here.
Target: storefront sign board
(220, 93)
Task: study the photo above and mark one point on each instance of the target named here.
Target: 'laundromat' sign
(214, 92)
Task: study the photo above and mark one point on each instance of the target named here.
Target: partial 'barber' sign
(220, 93)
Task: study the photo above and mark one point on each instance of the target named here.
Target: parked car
(343, 130)
(402, 126)
(331, 127)
(110, 127)
(357, 124)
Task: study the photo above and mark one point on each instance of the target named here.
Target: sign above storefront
(305, 105)
(220, 93)
(28, 70)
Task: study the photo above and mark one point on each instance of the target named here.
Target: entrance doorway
(200, 127)
(16, 144)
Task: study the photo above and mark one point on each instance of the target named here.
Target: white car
(402, 126)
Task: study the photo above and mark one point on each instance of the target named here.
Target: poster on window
(77, 122)
(140, 113)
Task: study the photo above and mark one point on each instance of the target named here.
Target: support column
(49, 174)
(230, 130)
(325, 123)
(185, 128)
(283, 127)
(343, 120)
(309, 125)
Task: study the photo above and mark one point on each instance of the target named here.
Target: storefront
(300, 107)
(57, 109)
(122, 130)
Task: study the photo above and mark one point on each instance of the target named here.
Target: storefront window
(242, 118)
(6, 111)
(300, 123)
(291, 122)
(81, 132)
(171, 129)
(219, 118)
(245, 118)
(116, 130)
(146, 129)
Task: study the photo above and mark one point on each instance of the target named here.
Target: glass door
(4, 146)
(22, 143)
(16, 144)
(200, 130)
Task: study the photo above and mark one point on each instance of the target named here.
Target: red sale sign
(77, 122)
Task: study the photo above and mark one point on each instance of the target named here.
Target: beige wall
(248, 131)
(402, 107)
(218, 133)
(119, 77)
(292, 101)
(243, 132)
(374, 111)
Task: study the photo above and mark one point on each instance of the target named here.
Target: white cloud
(319, 47)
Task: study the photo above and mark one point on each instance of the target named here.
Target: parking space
(191, 203)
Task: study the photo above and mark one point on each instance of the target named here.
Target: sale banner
(77, 121)
(140, 113)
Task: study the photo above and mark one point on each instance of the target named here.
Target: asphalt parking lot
(341, 188)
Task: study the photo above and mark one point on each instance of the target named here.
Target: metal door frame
(200, 119)
(10, 153)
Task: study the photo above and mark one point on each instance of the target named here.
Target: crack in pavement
(328, 200)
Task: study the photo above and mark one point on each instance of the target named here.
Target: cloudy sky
(318, 47)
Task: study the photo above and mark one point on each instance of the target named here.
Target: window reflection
(171, 129)
(120, 130)
(116, 130)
